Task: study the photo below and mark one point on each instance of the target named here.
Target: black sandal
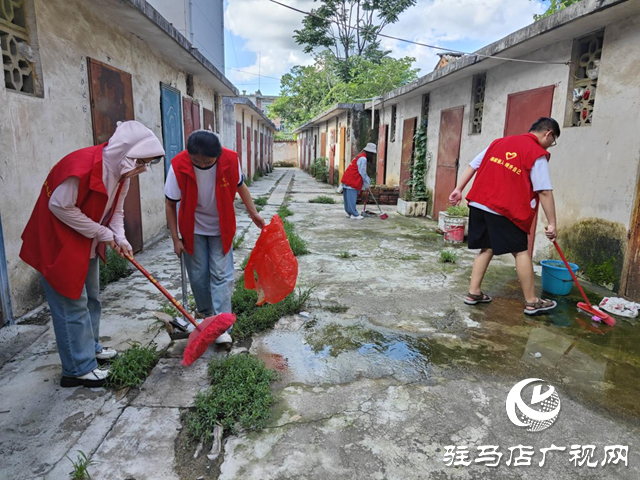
(539, 306)
(475, 299)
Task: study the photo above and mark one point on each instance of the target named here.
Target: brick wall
(384, 195)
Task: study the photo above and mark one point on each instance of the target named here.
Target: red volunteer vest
(227, 179)
(50, 246)
(503, 180)
(352, 177)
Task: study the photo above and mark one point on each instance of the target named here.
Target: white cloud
(268, 28)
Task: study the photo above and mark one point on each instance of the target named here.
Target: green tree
(349, 27)
(554, 7)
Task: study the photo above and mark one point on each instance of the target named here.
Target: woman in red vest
(355, 179)
(512, 177)
(205, 178)
(78, 213)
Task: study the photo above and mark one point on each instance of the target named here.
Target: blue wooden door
(171, 124)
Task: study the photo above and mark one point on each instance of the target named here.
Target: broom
(204, 334)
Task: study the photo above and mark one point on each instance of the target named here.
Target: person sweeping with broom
(355, 179)
(205, 178)
(79, 212)
(512, 176)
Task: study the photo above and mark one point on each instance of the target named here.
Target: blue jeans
(76, 324)
(350, 197)
(211, 275)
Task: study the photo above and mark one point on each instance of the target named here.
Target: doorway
(448, 157)
(171, 123)
(111, 96)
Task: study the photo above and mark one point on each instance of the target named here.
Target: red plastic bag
(274, 263)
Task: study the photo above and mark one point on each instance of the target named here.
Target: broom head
(207, 333)
(591, 310)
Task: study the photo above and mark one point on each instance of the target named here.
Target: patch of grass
(337, 308)
(240, 395)
(252, 319)
(237, 241)
(458, 211)
(170, 310)
(447, 256)
(285, 164)
(131, 367)
(298, 244)
(323, 199)
(261, 202)
(81, 466)
(284, 212)
(115, 269)
(259, 209)
(413, 256)
(244, 262)
(247, 181)
(347, 255)
(256, 177)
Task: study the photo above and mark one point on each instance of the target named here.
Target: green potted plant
(415, 201)
(454, 223)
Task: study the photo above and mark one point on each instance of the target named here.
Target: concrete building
(73, 69)
(263, 102)
(336, 134)
(249, 132)
(580, 66)
(199, 21)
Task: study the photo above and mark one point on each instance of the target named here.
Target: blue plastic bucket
(556, 279)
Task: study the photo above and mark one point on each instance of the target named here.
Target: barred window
(425, 109)
(394, 114)
(479, 83)
(587, 55)
(19, 60)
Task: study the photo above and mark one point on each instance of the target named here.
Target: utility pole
(259, 78)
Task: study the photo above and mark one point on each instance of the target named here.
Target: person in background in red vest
(512, 177)
(355, 179)
(204, 178)
(80, 211)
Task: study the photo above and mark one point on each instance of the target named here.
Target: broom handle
(164, 291)
(374, 199)
(575, 279)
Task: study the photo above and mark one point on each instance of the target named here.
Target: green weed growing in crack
(323, 199)
(347, 255)
(411, 257)
(298, 244)
(336, 308)
(284, 212)
(169, 309)
(131, 367)
(81, 466)
(237, 241)
(448, 256)
(240, 395)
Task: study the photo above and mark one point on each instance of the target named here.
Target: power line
(233, 45)
(435, 47)
(256, 74)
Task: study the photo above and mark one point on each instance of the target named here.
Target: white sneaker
(105, 354)
(348, 216)
(224, 338)
(95, 378)
(359, 217)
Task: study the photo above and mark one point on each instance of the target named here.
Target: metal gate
(112, 101)
(171, 123)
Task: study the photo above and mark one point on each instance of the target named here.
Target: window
(479, 84)
(19, 59)
(587, 55)
(394, 113)
(425, 109)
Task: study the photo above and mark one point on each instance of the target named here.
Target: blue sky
(259, 26)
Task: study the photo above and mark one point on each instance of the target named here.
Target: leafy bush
(319, 169)
(284, 212)
(417, 187)
(239, 396)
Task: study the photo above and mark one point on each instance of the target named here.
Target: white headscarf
(131, 140)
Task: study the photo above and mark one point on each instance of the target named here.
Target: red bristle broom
(204, 334)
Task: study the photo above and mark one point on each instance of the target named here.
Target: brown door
(209, 123)
(191, 112)
(256, 147)
(343, 146)
(323, 144)
(381, 176)
(332, 156)
(112, 101)
(239, 141)
(448, 156)
(631, 273)
(249, 160)
(524, 108)
(262, 152)
(408, 130)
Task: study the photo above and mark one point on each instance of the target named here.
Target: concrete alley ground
(379, 390)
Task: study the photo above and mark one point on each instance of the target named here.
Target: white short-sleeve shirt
(540, 179)
(207, 220)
